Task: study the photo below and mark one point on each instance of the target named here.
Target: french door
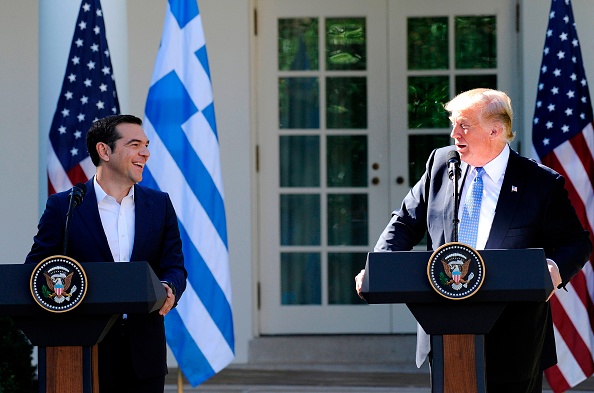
(349, 97)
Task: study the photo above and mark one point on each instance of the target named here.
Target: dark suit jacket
(535, 214)
(157, 241)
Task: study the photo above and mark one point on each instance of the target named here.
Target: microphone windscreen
(82, 187)
(77, 193)
(453, 157)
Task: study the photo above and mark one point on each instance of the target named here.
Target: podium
(457, 344)
(67, 350)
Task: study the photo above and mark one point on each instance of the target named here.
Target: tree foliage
(16, 372)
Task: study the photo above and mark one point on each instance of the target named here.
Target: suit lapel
(88, 214)
(514, 184)
(143, 213)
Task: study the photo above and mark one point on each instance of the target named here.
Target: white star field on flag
(88, 93)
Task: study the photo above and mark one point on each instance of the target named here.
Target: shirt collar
(102, 194)
(496, 167)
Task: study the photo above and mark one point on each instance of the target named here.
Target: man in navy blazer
(120, 221)
(524, 205)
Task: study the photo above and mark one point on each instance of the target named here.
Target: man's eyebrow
(136, 140)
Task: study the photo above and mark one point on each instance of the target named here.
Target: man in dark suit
(120, 221)
(524, 205)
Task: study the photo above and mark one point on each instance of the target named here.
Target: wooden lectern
(68, 341)
(457, 343)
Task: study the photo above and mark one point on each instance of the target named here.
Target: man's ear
(496, 130)
(103, 150)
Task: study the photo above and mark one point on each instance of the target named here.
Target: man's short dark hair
(104, 130)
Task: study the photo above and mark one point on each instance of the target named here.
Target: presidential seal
(456, 271)
(58, 284)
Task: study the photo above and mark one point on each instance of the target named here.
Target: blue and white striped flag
(180, 124)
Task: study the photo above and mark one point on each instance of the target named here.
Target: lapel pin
(514, 189)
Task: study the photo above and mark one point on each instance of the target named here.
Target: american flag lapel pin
(514, 189)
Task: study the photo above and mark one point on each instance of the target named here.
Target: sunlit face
(127, 160)
(474, 138)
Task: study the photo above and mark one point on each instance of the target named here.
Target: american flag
(88, 93)
(563, 139)
(180, 123)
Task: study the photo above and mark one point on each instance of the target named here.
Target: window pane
(346, 158)
(342, 269)
(299, 105)
(426, 97)
(301, 278)
(345, 44)
(298, 44)
(476, 42)
(428, 44)
(419, 148)
(346, 105)
(300, 161)
(347, 219)
(300, 220)
(468, 82)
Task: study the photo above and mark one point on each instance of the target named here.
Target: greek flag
(180, 124)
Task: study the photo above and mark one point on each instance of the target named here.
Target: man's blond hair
(494, 105)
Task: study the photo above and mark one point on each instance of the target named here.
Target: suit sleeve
(171, 263)
(408, 225)
(566, 241)
(50, 232)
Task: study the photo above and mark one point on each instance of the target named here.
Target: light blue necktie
(472, 211)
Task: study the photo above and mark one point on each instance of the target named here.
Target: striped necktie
(472, 211)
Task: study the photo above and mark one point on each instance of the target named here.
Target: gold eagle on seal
(456, 272)
(59, 285)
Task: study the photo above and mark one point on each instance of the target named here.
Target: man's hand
(169, 302)
(555, 275)
(359, 282)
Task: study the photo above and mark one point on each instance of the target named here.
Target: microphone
(454, 172)
(453, 161)
(77, 194)
(75, 197)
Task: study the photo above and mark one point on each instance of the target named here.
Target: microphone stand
(71, 204)
(74, 199)
(455, 220)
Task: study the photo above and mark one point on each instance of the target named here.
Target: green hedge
(17, 375)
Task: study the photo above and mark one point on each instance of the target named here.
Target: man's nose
(454, 132)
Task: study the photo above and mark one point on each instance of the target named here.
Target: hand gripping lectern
(457, 343)
(67, 340)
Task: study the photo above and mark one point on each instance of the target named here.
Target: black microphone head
(453, 161)
(453, 157)
(78, 192)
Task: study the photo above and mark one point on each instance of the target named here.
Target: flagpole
(180, 382)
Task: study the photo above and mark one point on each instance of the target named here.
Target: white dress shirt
(118, 222)
(492, 181)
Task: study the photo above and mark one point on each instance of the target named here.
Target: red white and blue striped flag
(180, 123)
(563, 139)
(88, 93)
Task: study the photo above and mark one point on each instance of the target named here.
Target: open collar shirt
(492, 182)
(118, 222)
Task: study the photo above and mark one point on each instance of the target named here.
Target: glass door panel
(463, 45)
(324, 161)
